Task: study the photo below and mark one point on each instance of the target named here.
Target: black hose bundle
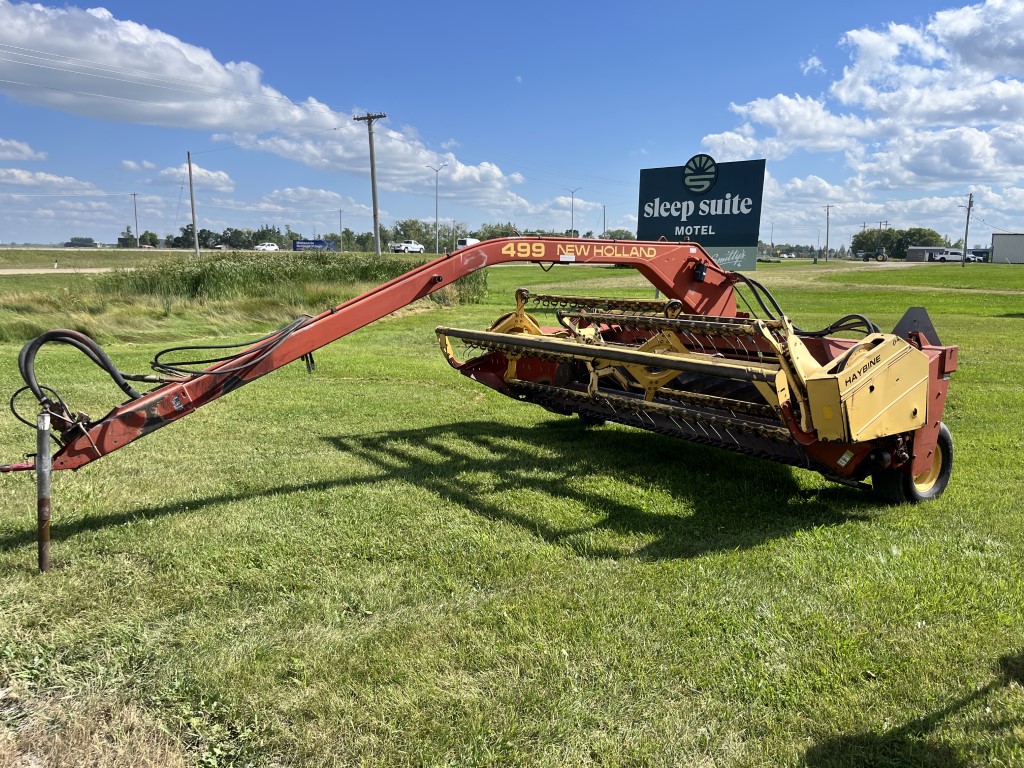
(851, 323)
(178, 369)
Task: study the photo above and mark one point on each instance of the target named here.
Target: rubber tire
(895, 487)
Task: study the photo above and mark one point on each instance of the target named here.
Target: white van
(465, 242)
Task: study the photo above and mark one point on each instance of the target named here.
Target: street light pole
(437, 171)
(572, 210)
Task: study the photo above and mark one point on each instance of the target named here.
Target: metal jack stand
(44, 470)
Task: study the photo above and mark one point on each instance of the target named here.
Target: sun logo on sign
(700, 173)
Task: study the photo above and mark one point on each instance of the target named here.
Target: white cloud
(44, 182)
(797, 122)
(812, 66)
(985, 38)
(922, 107)
(18, 150)
(202, 178)
(88, 62)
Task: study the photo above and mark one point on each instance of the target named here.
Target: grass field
(384, 564)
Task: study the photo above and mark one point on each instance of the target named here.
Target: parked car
(266, 247)
(407, 246)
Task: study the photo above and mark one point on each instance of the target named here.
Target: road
(57, 271)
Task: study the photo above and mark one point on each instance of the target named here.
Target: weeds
(306, 278)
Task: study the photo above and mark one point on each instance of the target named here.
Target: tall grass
(183, 297)
(298, 276)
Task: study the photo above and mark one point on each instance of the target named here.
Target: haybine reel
(848, 401)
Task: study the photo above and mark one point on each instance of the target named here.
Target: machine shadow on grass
(723, 501)
(908, 744)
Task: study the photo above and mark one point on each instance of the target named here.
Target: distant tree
(413, 229)
(269, 234)
(363, 242)
(926, 237)
(449, 232)
(207, 238)
(490, 231)
(346, 239)
(149, 238)
(618, 234)
(895, 241)
(236, 239)
(184, 240)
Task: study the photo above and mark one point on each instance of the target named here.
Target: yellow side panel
(879, 389)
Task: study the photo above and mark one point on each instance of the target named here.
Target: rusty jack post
(44, 470)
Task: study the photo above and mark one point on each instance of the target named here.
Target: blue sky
(887, 112)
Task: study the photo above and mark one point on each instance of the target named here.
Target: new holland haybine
(713, 360)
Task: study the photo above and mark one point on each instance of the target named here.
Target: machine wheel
(589, 420)
(895, 487)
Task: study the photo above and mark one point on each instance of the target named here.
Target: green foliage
(411, 229)
(385, 564)
(618, 234)
(491, 231)
(280, 274)
(895, 241)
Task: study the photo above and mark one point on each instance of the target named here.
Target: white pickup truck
(406, 246)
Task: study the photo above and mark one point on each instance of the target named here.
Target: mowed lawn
(383, 563)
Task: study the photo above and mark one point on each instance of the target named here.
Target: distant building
(935, 253)
(1007, 248)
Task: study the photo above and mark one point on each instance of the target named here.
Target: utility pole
(828, 211)
(341, 229)
(369, 119)
(192, 195)
(136, 207)
(967, 227)
(437, 172)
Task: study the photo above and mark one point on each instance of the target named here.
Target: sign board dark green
(715, 204)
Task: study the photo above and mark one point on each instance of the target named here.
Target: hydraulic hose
(81, 342)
